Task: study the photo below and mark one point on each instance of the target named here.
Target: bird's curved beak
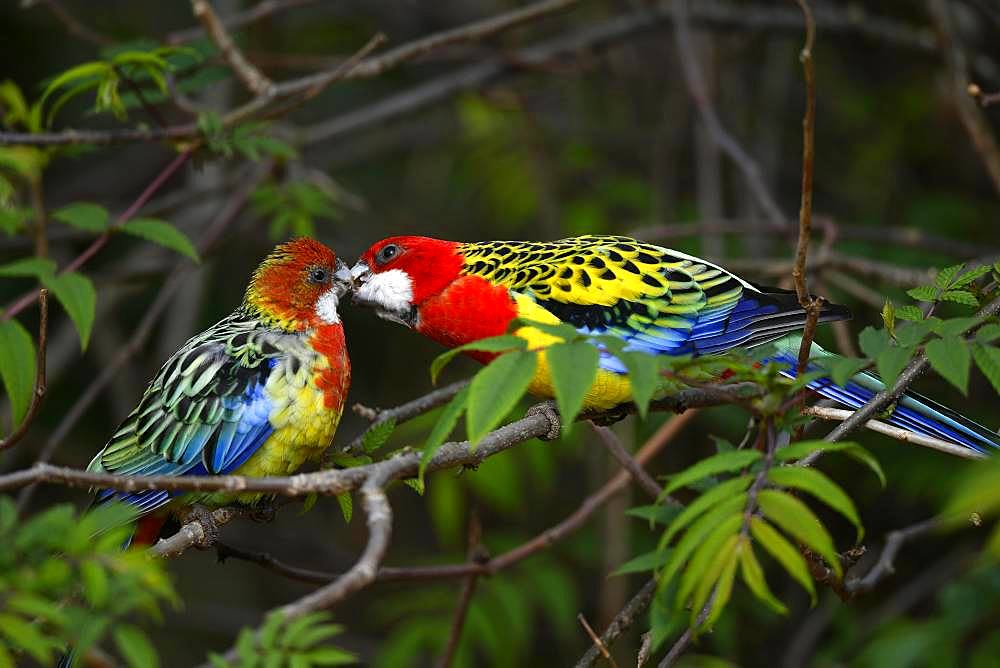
(343, 279)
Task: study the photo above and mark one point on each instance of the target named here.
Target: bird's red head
(398, 274)
(298, 286)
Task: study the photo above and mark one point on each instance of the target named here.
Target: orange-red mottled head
(398, 274)
(298, 286)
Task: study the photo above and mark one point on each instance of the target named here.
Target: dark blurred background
(601, 136)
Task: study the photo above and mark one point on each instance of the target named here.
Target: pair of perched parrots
(262, 391)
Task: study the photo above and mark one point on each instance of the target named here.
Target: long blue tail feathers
(912, 412)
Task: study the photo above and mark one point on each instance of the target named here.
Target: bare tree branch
(254, 80)
(621, 623)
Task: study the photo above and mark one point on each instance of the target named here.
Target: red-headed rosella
(654, 299)
(257, 394)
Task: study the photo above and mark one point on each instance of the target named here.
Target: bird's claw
(206, 520)
(551, 413)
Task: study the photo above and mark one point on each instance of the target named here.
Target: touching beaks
(343, 278)
(360, 273)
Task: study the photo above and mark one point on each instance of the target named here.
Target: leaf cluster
(302, 642)
(66, 582)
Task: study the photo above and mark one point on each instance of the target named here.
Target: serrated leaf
(753, 576)
(346, 504)
(162, 233)
(78, 297)
(495, 390)
(416, 484)
(819, 485)
(988, 360)
(802, 449)
(960, 297)
(706, 502)
(83, 216)
(493, 344)
(309, 502)
(377, 434)
(914, 332)
(891, 362)
(572, 369)
(873, 341)
(924, 293)
(795, 518)
(17, 367)
(695, 536)
(135, 647)
(36, 267)
(644, 562)
(970, 276)
(955, 326)
(720, 463)
(445, 425)
(784, 552)
(842, 368)
(909, 312)
(950, 357)
(945, 277)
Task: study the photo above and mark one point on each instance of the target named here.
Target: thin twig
(476, 555)
(38, 392)
(254, 80)
(885, 566)
(403, 412)
(598, 643)
(97, 244)
(259, 11)
(621, 623)
(896, 433)
(812, 305)
(622, 456)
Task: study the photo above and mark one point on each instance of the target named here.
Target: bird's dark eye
(387, 253)
(318, 275)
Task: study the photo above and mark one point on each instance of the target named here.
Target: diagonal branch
(254, 80)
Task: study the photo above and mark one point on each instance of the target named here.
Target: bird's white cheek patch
(326, 307)
(391, 290)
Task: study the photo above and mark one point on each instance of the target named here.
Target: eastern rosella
(257, 394)
(654, 299)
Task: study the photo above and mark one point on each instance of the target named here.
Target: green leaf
(705, 563)
(950, 357)
(346, 506)
(891, 361)
(649, 561)
(842, 368)
(495, 391)
(988, 360)
(95, 583)
(658, 514)
(914, 332)
(643, 375)
(493, 344)
(720, 579)
(795, 518)
(331, 656)
(720, 463)
(445, 425)
(77, 295)
(960, 297)
(83, 216)
(706, 502)
(909, 312)
(819, 485)
(135, 647)
(753, 575)
(924, 293)
(970, 276)
(945, 277)
(988, 333)
(873, 341)
(35, 267)
(802, 449)
(161, 233)
(26, 636)
(695, 537)
(784, 552)
(6, 660)
(17, 367)
(377, 434)
(572, 368)
(955, 326)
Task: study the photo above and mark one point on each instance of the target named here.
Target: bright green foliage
(65, 581)
(17, 367)
(377, 435)
(283, 643)
(73, 290)
(495, 391)
(162, 233)
(83, 216)
(251, 140)
(104, 78)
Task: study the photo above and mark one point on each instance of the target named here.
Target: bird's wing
(655, 299)
(205, 412)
